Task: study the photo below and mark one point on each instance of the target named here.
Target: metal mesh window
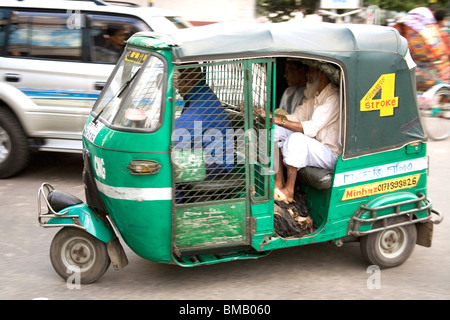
(260, 148)
(220, 151)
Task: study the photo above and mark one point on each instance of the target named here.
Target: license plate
(92, 129)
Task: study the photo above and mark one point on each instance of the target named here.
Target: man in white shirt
(309, 136)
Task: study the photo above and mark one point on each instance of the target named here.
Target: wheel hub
(392, 242)
(78, 254)
(5, 145)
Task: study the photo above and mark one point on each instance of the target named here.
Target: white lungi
(301, 151)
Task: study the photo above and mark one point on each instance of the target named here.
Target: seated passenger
(309, 136)
(295, 75)
(204, 121)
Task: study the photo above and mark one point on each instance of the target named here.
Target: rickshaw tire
(375, 247)
(19, 151)
(71, 244)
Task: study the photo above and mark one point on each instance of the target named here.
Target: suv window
(108, 33)
(43, 35)
(4, 17)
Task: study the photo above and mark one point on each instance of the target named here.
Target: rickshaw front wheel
(78, 255)
(391, 247)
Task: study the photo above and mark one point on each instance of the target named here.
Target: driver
(204, 115)
(309, 136)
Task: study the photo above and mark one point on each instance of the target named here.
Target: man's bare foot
(279, 196)
(283, 195)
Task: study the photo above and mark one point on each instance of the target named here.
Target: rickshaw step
(189, 260)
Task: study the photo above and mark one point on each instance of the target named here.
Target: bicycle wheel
(436, 115)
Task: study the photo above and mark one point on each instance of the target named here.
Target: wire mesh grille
(260, 148)
(220, 151)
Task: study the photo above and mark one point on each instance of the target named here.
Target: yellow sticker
(387, 102)
(381, 187)
(136, 57)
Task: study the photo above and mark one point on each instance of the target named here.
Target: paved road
(320, 271)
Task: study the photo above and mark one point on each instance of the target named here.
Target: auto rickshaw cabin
(381, 132)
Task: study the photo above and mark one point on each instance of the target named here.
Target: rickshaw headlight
(144, 167)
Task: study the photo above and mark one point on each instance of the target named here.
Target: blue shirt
(204, 118)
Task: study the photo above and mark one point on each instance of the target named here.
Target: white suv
(54, 61)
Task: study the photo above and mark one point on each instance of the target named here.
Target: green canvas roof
(261, 39)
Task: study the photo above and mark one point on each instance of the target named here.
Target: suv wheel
(14, 152)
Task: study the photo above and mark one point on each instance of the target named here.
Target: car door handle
(12, 77)
(99, 85)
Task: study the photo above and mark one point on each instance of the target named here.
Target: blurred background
(201, 12)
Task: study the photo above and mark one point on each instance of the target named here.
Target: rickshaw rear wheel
(391, 247)
(78, 255)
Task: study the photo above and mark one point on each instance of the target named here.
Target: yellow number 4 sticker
(387, 102)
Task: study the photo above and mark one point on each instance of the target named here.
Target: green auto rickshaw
(208, 198)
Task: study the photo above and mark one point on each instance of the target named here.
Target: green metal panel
(86, 218)
(364, 179)
(208, 225)
(140, 205)
(381, 114)
(390, 172)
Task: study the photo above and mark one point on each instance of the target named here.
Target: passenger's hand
(259, 114)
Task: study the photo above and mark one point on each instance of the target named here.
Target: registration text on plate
(92, 129)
